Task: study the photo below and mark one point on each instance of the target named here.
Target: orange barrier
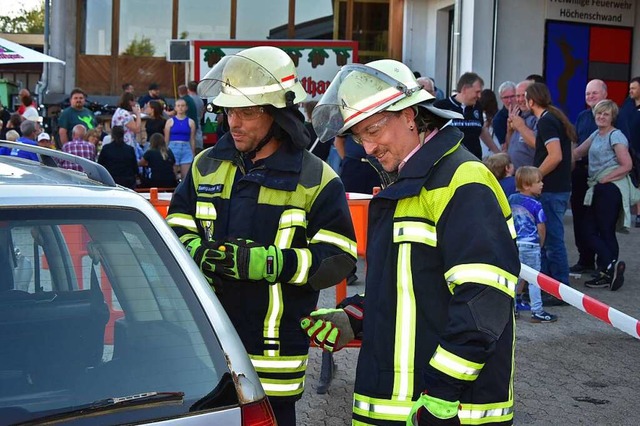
(161, 204)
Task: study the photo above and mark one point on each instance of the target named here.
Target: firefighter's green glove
(431, 411)
(330, 329)
(251, 261)
(208, 257)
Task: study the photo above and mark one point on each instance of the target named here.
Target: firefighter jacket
(294, 201)
(442, 267)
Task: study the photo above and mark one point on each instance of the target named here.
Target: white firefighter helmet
(262, 75)
(360, 91)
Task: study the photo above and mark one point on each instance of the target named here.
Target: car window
(93, 305)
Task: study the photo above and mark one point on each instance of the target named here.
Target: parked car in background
(104, 317)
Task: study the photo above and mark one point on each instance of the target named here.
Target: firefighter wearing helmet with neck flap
(266, 221)
(442, 265)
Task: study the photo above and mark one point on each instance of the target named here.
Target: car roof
(15, 170)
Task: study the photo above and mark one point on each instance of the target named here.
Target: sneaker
(602, 281)
(579, 268)
(638, 221)
(543, 317)
(521, 305)
(618, 275)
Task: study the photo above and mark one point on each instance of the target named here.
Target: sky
(11, 8)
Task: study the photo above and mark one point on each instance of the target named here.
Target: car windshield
(93, 306)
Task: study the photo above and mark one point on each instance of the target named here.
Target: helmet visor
(356, 93)
(237, 81)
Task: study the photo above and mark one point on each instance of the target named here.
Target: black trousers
(285, 411)
(586, 255)
(601, 218)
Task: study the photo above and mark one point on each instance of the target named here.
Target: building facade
(108, 42)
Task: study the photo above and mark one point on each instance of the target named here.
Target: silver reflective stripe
(190, 224)
(277, 363)
(483, 414)
(475, 275)
(412, 231)
(293, 217)
(381, 408)
(341, 242)
(206, 210)
(404, 350)
(448, 361)
(273, 319)
(304, 263)
(284, 387)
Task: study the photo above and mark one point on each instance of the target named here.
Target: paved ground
(578, 371)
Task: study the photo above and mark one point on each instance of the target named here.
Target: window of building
(256, 18)
(97, 27)
(204, 19)
(145, 27)
(370, 27)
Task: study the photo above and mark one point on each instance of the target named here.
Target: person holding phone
(128, 116)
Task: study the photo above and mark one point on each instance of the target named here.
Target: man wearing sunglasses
(266, 221)
(437, 321)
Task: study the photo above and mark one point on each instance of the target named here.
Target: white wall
(425, 38)
(477, 39)
(520, 42)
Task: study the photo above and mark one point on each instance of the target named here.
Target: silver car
(104, 317)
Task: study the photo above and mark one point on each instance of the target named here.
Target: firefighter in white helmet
(437, 321)
(266, 221)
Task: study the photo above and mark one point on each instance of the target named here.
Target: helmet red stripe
(372, 106)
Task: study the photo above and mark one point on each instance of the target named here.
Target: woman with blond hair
(610, 193)
(159, 159)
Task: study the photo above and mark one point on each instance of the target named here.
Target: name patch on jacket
(211, 189)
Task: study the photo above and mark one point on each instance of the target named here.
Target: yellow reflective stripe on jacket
(273, 317)
(285, 364)
(284, 238)
(414, 231)
(468, 173)
(206, 210)
(478, 414)
(405, 331)
(512, 228)
(304, 263)
(276, 387)
(340, 241)
(381, 409)
(182, 220)
(391, 410)
(281, 376)
(482, 274)
(454, 365)
(293, 217)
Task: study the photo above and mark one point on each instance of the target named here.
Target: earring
(411, 128)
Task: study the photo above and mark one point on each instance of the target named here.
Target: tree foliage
(141, 47)
(24, 22)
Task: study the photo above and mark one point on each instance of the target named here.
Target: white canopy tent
(13, 53)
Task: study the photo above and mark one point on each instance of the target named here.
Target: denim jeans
(554, 253)
(530, 255)
(182, 152)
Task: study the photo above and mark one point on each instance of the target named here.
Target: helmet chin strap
(252, 154)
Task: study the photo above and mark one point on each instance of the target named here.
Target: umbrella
(13, 53)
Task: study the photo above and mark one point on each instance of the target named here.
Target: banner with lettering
(317, 61)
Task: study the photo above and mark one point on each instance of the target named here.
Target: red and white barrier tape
(585, 303)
